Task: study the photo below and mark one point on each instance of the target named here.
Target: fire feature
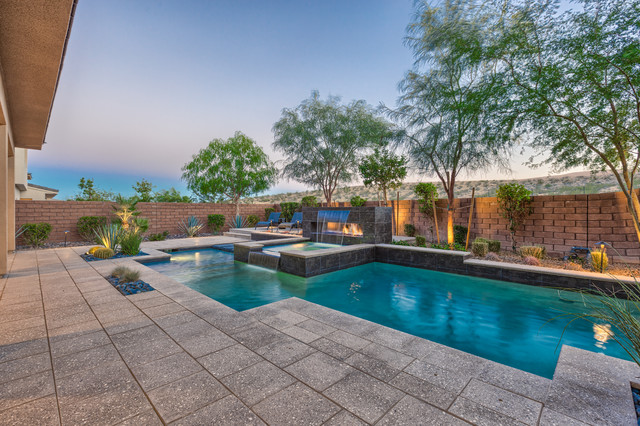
(350, 229)
(346, 226)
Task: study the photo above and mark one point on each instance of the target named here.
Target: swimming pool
(306, 246)
(500, 321)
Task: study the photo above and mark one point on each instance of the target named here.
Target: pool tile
(365, 396)
(229, 360)
(186, 395)
(455, 360)
(453, 381)
(296, 405)
(286, 351)
(228, 410)
(522, 409)
(372, 366)
(514, 380)
(319, 370)
(165, 370)
(255, 383)
(423, 390)
(411, 411)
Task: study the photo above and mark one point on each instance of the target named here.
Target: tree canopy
(322, 140)
(227, 170)
(384, 170)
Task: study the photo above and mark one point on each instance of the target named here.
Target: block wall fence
(64, 215)
(557, 222)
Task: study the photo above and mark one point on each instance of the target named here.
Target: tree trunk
(634, 209)
(450, 237)
(237, 207)
(386, 201)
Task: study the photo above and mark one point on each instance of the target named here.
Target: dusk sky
(146, 84)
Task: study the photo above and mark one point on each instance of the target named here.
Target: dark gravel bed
(127, 289)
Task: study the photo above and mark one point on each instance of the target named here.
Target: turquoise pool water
(307, 246)
(503, 322)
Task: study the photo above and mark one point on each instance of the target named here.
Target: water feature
(306, 246)
(505, 322)
(332, 222)
(264, 260)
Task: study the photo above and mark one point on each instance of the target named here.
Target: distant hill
(570, 183)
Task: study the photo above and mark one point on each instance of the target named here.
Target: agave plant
(237, 222)
(192, 226)
(109, 235)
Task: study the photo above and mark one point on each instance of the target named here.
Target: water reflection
(602, 333)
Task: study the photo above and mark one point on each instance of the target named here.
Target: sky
(147, 84)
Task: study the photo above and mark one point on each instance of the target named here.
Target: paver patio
(73, 350)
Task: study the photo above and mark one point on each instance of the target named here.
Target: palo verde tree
(384, 170)
(322, 141)
(575, 84)
(447, 103)
(514, 204)
(229, 170)
(144, 191)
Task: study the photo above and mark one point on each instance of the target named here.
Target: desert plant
(454, 246)
(539, 252)
(88, 224)
(109, 236)
(409, 230)
(288, 209)
(93, 250)
(159, 237)
(140, 225)
(103, 253)
(125, 275)
(514, 204)
(237, 222)
(531, 261)
(494, 246)
(309, 201)
(268, 212)
(130, 243)
(20, 231)
(191, 226)
(35, 234)
(252, 219)
(599, 260)
(357, 201)
(479, 248)
(126, 213)
(421, 241)
(400, 243)
(492, 257)
(427, 195)
(460, 234)
(215, 222)
(572, 266)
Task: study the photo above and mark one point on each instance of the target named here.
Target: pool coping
(588, 387)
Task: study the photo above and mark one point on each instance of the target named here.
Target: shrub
(35, 234)
(93, 250)
(125, 275)
(268, 211)
(454, 246)
(531, 261)
(479, 248)
(357, 201)
(400, 243)
(288, 209)
(192, 226)
(539, 252)
(215, 222)
(103, 253)
(599, 260)
(87, 225)
(460, 234)
(492, 257)
(514, 203)
(427, 195)
(572, 266)
(421, 241)
(309, 201)
(159, 237)
(130, 243)
(252, 219)
(140, 225)
(409, 230)
(109, 236)
(494, 245)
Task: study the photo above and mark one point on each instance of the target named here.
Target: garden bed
(130, 288)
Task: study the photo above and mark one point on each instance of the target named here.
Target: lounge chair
(272, 221)
(296, 222)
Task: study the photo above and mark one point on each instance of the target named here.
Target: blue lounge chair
(272, 221)
(296, 222)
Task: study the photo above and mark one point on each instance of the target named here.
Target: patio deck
(73, 350)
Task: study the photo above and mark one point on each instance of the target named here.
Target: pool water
(504, 322)
(307, 246)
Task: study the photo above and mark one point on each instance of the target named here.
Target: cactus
(93, 250)
(103, 253)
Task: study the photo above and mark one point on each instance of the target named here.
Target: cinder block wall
(63, 215)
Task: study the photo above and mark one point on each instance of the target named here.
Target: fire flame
(352, 229)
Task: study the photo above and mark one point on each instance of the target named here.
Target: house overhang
(33, 39)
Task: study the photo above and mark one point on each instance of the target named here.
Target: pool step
(238, 235)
